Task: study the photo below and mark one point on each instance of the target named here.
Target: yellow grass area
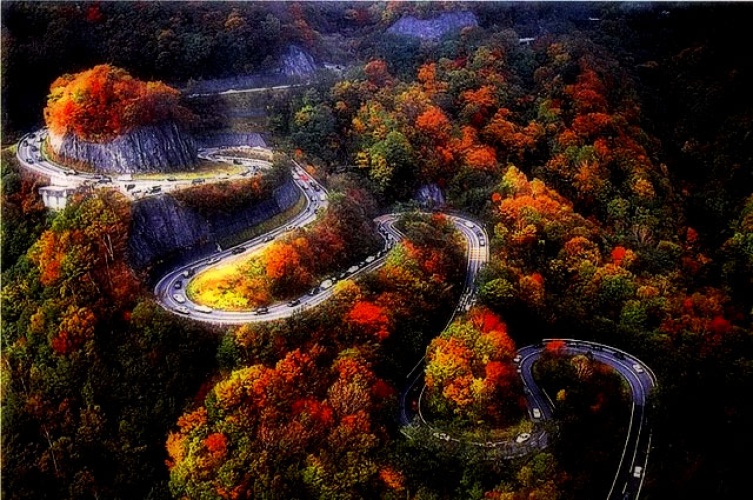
(203, 169)
(237, 284)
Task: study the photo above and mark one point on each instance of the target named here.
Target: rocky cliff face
(297, 63)
(165, 233)
(433, 29)
(154, 148)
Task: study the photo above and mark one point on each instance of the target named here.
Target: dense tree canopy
(104, 102)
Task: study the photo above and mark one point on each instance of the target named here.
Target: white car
(179, 298)
(522, 438)
(517, 358)
(638, 368)
(638, 471)
(203, 309)
(536, 413)
(468, 224)
(183, 310)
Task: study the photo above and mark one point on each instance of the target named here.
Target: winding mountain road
(170, 293)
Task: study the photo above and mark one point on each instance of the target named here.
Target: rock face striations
(150, 148)
(105, 119)
(433, 29)
(164, 232)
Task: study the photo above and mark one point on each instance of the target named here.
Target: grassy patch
(204, 169)
(240, 283)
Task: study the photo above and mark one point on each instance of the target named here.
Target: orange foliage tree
(105, 102)
(469, 371)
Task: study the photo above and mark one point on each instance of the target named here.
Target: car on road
(290, 227)
(468, 224)
(536, 413)
(236, 161)
(314, 291)
(155, 189)
(638, 368)
(30, 160)
(261, 310)
(523, 437)
(316, 187)
(237, 250)
(352, 269)
(294, 302)
(326, 284)
(197, 181)
(517, 358)
(179, 298)
(213, 260)
(638, 471)
(188, 273)
(482, 242)
(203, 309)
(268, 238)
(369, 259)
(130, 186)
(183, 310)
(177, 285)
(171, 179)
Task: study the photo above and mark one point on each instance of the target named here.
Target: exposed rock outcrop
(165, 232)
(435, 28)
(154, 148)
(297, 63)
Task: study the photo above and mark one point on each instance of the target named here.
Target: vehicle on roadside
(536, 413)
(130, 186)
(179, 298)
(294, 302)
(197, 181)
(482, 242)
(638, 471)
(517, 358)
(638, 368)
(183, 310)
(522, 437)
(178, 285)
(268, 238)
(352, 269)
(314, 291)
(203, 309)
(261, 310)
(188, 273)
(369, 259)
(213, 260)
(237, 250)
(468, 224)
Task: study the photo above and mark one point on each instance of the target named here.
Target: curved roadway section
(170, 293)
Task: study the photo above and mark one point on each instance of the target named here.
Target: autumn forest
(605, 149)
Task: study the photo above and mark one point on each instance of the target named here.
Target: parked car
(179, 298)
(294, 302)
(178, 285)
(536, 413)
(261, 310)
(523, 437)
(237, 250)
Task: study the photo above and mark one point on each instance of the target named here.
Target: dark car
(197, 181)
(238, 250)
(294, 302)
(314, 290)
(261, 310)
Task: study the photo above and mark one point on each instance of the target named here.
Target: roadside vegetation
(607, 158)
